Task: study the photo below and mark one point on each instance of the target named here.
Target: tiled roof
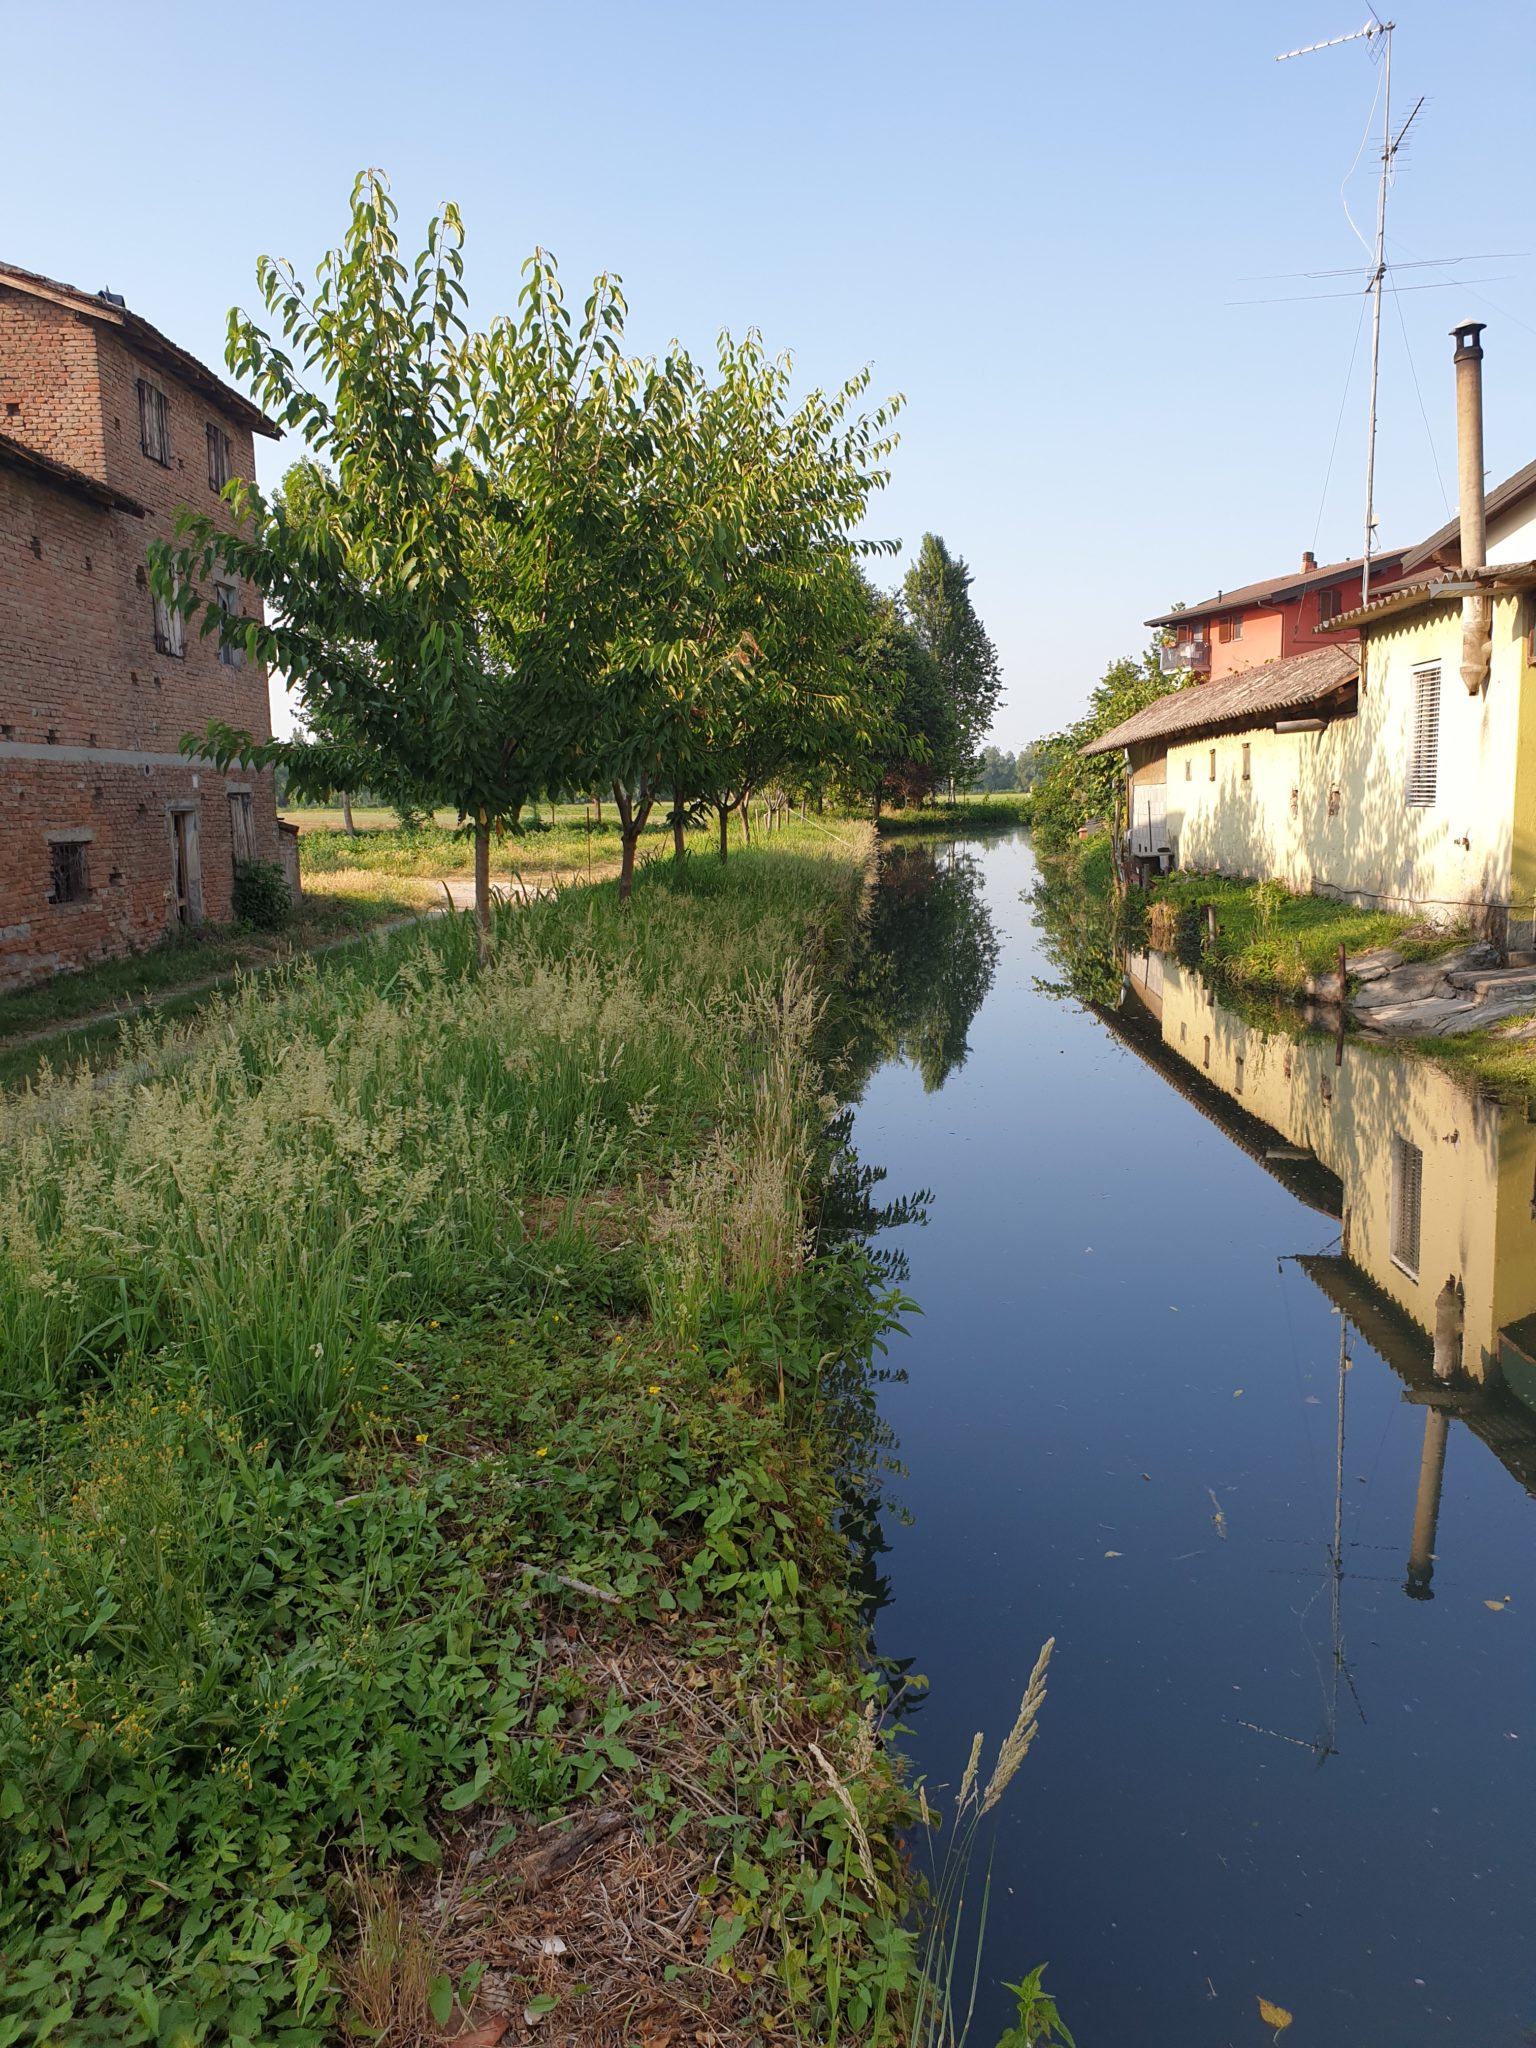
(1277, 589)
(147, 340)
(1252, 697)
(1513, 489)
(17, 455)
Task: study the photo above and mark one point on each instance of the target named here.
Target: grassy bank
(78, 1018)
(1271, 941)
(965, 814)
(419, 1576)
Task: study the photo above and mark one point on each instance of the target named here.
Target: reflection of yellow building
(1435, 1192)
(1435, 1184)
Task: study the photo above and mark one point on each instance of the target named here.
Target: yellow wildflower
(420, 1438)
(542, 1451)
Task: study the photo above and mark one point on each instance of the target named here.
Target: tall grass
(267, 1191)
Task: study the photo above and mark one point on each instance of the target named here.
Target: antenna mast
(1390, 144)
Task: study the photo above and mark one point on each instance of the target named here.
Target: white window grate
(1407, 1205)
(1424, 763)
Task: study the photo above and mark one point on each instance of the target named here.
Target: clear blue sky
(1031, 220)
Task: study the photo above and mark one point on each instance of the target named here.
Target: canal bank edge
(629, 1609)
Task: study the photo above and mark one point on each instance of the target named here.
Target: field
(419, 1571)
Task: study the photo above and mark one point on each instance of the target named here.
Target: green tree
(920, 725)
(440, 570)
(995, 771)
(1069, 791)
(937, 593)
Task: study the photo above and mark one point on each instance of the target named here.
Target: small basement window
(70, 877)
(1407, 1205)
(218, 457)
(154, 423)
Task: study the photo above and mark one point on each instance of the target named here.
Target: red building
(109, 837)
(1268, 621)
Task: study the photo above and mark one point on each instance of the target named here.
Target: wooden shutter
(1407, 1204)
(1424, 761)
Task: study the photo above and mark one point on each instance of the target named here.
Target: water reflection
(925, 962)
(1133, 1419)
(1434, 1190)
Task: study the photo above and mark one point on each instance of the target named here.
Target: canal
(1171, 1399)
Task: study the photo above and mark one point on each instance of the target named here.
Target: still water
(1289, 1749)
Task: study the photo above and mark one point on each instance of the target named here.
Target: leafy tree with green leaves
(937, 595)
(741, 525)
(921, 727)
(1071, 790)
(440, 571)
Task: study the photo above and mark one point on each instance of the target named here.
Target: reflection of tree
(925, 960)
(1086, 931)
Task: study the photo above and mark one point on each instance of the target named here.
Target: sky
(1043, 225)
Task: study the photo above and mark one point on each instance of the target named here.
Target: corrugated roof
(1252, 697)
(1444, 587)
(1448, 537)
(1277, 589)
(17, 455)
(148, 340)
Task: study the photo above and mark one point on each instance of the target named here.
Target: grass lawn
(420, 1579)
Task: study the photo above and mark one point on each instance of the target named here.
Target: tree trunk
(597, 800)
(346, 814)
(632, 817)
(724, 813)
(746, 820)
(483, 887)
(678, 848)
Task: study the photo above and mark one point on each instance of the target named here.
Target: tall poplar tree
(937, 596)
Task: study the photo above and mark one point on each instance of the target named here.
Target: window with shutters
(170, 629)
(154, 423)
(1407, 1204)
(242, 827)
(1330, 603)
(231, 653)
(1424, 762)
(218, 457)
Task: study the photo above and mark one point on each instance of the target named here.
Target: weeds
(392, 1356)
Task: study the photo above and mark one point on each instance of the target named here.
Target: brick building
(109, 837)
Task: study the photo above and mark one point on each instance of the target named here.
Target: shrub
(262, 897)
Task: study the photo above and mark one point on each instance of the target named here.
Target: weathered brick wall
(128, 860)
(50, 380)
(78, 665)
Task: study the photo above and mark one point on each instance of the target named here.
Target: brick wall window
(70, 876)
(231, 653)
(170, 629)
(218, 457)
(154, 423)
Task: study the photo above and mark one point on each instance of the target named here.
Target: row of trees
(516, 562)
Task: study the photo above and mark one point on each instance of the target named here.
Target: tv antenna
(1390, 145)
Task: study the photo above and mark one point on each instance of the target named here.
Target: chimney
(1308, 562)
(1476, 612)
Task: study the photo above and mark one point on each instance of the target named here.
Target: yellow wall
(1373, 846)
(1479, 1159)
